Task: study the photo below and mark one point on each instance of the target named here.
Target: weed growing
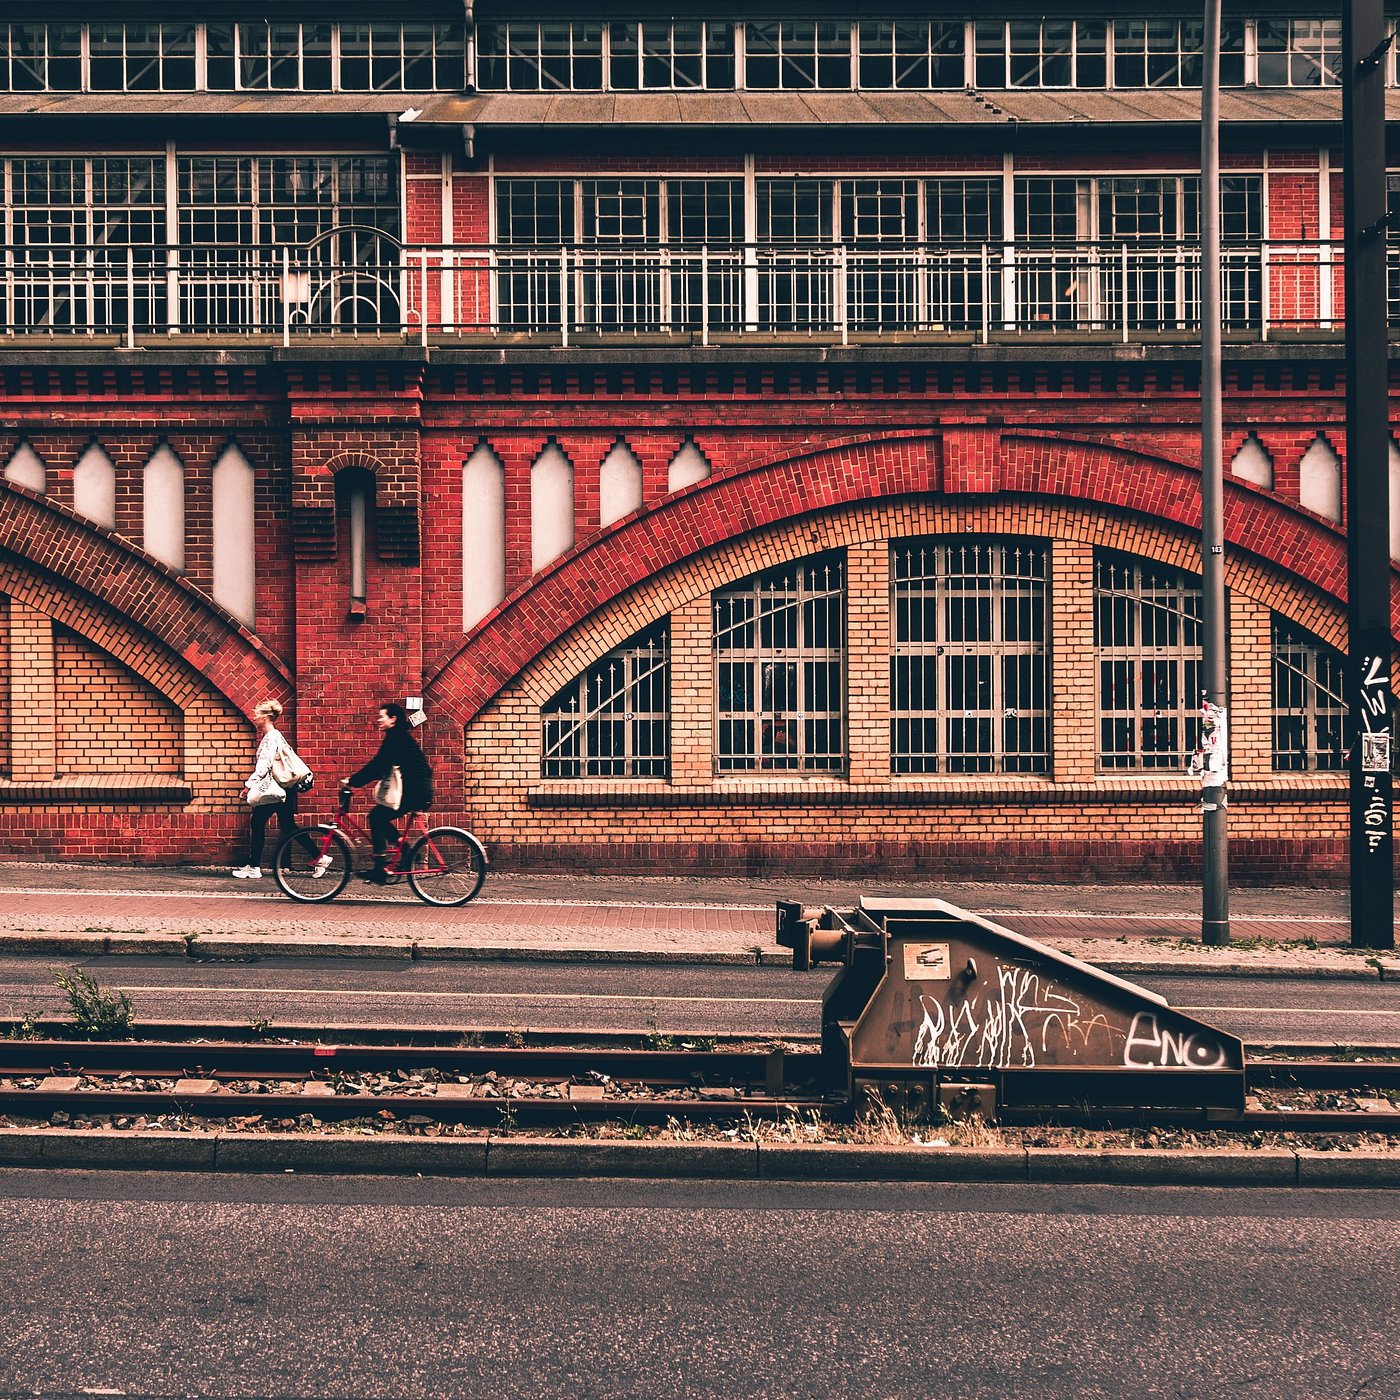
(97, 1014)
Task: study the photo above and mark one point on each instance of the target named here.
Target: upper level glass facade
(630, 55)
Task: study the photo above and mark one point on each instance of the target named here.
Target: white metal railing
(1127, 290)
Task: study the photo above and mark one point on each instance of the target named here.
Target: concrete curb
(525, 1156)
(257, 947)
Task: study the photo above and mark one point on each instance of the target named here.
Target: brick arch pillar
(346, 663)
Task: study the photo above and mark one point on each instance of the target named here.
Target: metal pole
(1372, 834)
(1215, 879)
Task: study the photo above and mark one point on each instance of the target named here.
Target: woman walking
(397, 749)
(271, 743)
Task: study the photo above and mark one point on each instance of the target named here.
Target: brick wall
(107, 719)
(1073, 821)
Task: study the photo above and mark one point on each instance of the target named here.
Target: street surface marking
(1292, 1010)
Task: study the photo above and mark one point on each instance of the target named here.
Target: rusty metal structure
(934, 1007)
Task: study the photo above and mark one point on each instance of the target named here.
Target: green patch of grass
(97, 1014)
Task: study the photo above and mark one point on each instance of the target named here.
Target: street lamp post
(1214, 752)
(1372, 835)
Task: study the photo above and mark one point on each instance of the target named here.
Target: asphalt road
(146, 1285)
(699, 1000)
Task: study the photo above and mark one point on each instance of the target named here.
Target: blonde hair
(271, 708)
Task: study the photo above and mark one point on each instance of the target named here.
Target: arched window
(969, 673)
(26, 468)
(1310, 723)
(95, 487)
(163, 508)
(613, 720)
(483, 535)
(1147, 648)
(235, 538)
(551, 507)
(780, 645)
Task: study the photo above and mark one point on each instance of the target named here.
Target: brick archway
(42, 535)
(955, 462)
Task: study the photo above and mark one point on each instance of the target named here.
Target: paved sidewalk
(75, 909)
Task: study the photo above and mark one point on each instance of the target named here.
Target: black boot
(379, 875)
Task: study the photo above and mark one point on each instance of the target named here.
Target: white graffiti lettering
(1149, 1046)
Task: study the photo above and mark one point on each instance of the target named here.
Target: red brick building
(759, 441)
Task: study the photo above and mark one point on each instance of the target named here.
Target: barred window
(1298, 52)
(1041, 53)
(1147, 646)
(1310, 720)
(613, 721)
(780, 658)
(969, 671)
(1171, 53)
(797, 54)
(915, 54)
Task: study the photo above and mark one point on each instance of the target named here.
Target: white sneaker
(248, 872)
(321, 867)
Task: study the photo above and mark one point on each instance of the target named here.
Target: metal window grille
(1041, 53)
(236, 212)
(969, 670)
(1311, 727)
(797, 55)
(613, 721)
(1298, 52)
(69, 223)
(913, 54)
(1171, 53)
(1147, 649)
(1077, 276)
(780, 660)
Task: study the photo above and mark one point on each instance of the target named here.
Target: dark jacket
(399, 749)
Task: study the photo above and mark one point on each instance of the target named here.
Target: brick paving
(730, 919)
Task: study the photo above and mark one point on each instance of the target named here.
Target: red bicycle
(444, 864)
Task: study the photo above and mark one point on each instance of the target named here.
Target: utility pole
(1214, 746)
(1372, 826)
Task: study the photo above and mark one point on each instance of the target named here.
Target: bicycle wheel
(447, 866)
(300, 857)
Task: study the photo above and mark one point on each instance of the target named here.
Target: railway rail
(478, 1085)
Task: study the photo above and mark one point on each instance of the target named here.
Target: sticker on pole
(1375, 751)
(1210, 762)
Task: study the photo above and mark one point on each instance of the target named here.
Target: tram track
(200, 1081)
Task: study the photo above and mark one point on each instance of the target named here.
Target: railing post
(286, 295)
(1124, 293)
(705, 294)
(1266, 310)
(423, 296)
(564, 297)
(842, 309)
(986, 293)
(130, 297)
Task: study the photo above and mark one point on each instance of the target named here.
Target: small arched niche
(483, 535)
(95, 487)
(26, 468)
(619, 484)
(235, 585)
(551, 507)
(1252, 463)
(1320, 480)
(687, 467)
(163, 507)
